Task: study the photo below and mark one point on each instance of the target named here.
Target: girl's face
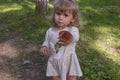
(63, 19)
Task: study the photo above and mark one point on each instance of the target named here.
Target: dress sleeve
(75, 32)
(46, 42)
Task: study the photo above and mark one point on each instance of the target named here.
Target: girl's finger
(61, 43)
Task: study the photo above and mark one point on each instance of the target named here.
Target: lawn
(22, 32)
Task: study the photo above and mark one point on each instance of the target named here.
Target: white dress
(65, 61)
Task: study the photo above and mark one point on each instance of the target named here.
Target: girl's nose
(61, 16)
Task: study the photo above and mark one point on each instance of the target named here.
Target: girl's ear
(73, 20)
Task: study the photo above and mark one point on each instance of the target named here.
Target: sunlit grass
(107, 43)
(50, 5)
(10, 9)
(14, 6)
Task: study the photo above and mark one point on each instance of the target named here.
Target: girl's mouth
(60, 23)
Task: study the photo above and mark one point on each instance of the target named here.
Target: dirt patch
(8, 49)
(21, 61)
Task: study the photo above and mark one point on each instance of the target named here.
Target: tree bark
(42, 6)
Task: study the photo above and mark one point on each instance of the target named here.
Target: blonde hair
(64, 6)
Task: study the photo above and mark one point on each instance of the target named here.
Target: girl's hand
(62, 43)
(44, 50)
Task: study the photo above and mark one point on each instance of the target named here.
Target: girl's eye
(66, 15)
(58, 13)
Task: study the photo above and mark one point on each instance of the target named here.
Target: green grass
(100, 32)
(20, 19)
(99, 45)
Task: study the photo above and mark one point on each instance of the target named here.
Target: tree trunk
(42, 6)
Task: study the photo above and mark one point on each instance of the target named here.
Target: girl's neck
(61, 28)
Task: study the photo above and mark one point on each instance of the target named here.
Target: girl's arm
(46, 42)
(75, 32)
(45, 46)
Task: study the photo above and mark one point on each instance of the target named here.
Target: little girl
(64, 64)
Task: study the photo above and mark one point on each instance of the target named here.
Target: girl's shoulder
(53, 29)
(73, 28)
(49, 29)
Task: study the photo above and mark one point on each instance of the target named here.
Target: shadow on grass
(28, 67)
(22, 61)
